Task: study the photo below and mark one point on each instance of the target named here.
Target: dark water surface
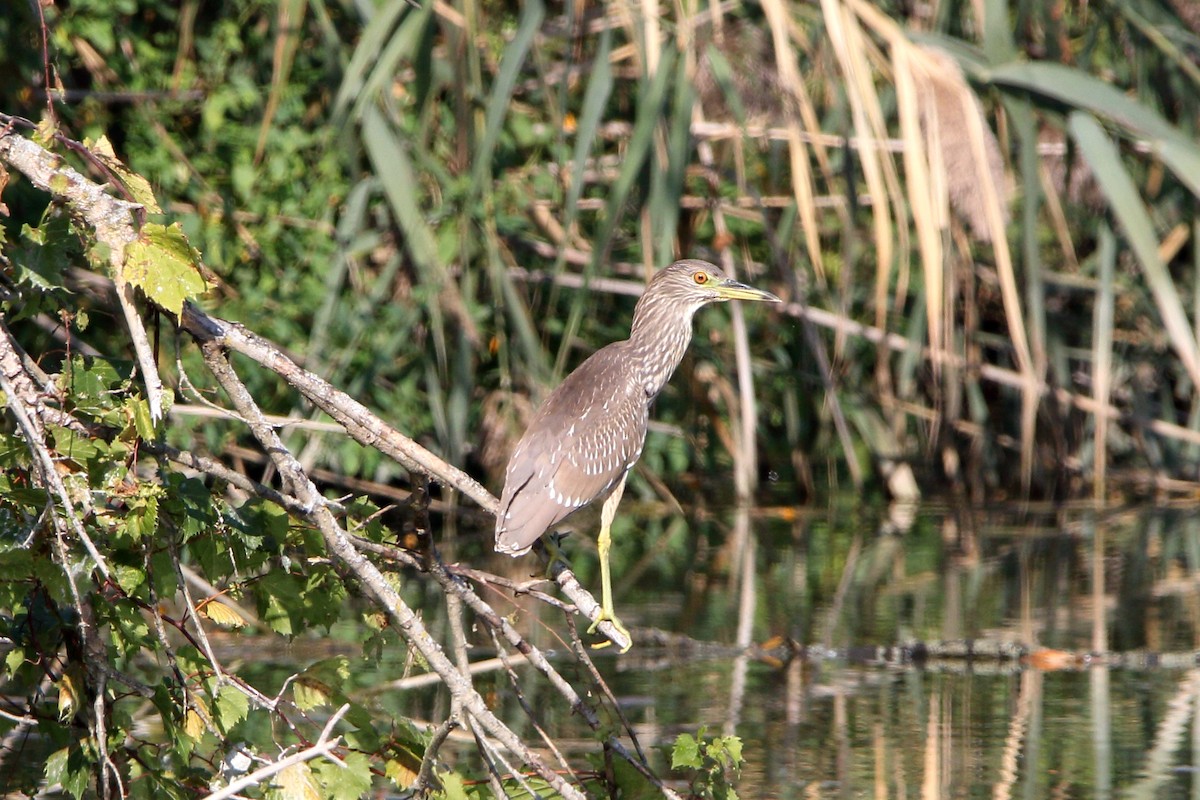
(1084, 679)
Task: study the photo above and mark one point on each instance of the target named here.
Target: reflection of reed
(1015, 746)
(931, 788)
(747, 602)
(1098, 685)
(1167, 738)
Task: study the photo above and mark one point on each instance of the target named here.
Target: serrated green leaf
(77, 448)
(13, 660)
(232, 707)
(143, 422)
(278, 598)
(733, 749)
(164, 265)
(131, 630)
(66, 768)
(348, 781)
(95, 385)
(128, 578)
(453, 787)
(686, 753)
(142, 519)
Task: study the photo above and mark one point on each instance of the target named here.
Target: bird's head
(696, 282)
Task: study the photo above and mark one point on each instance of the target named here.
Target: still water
(930, 652)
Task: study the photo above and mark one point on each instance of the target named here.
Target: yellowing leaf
(164, 266)
(400, 773)
(193, 724)
(297, 783)
(137, 186)
(309, 693)
(221, 614)
(46, 129)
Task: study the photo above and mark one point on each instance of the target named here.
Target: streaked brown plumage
(589, 432)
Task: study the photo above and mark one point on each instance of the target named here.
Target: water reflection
(885, 653)
(1042, 707)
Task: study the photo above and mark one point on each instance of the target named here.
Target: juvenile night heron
(589, 432)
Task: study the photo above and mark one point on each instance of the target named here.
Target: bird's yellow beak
(729, 289)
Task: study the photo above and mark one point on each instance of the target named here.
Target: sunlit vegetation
(985, 229)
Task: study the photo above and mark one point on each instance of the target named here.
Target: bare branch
(323, 747)
(372, 580)
(364, 426)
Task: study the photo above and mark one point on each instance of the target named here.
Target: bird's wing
(574, 453)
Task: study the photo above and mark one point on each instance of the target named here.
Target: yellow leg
(603, 544)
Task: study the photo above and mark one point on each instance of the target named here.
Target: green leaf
(129, 578)
(13, 660)
(131, 631)
(733, 749)
(143, 422)
(232, 707)
(142, 519)
(453, 787)
(309, 693)
(95, 385)
(686, 753)
(77, 448)
(1130, 211)
(725, 750)
(67, 768)
(348, 781)
(1079, 90)
(164, 266)
(278, 601)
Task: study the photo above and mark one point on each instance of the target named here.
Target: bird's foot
(606, 615)
(550, 548)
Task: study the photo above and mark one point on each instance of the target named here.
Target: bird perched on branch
(589, 432)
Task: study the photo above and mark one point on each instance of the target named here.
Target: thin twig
(519, 693)
(322, 747)
(426, 774)
(364, 426)
(585, 658)
(218, 470)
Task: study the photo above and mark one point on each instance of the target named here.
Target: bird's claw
(621, 630)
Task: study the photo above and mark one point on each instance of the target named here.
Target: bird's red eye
(700, 278)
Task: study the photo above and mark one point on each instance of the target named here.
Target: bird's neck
(657, 341)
